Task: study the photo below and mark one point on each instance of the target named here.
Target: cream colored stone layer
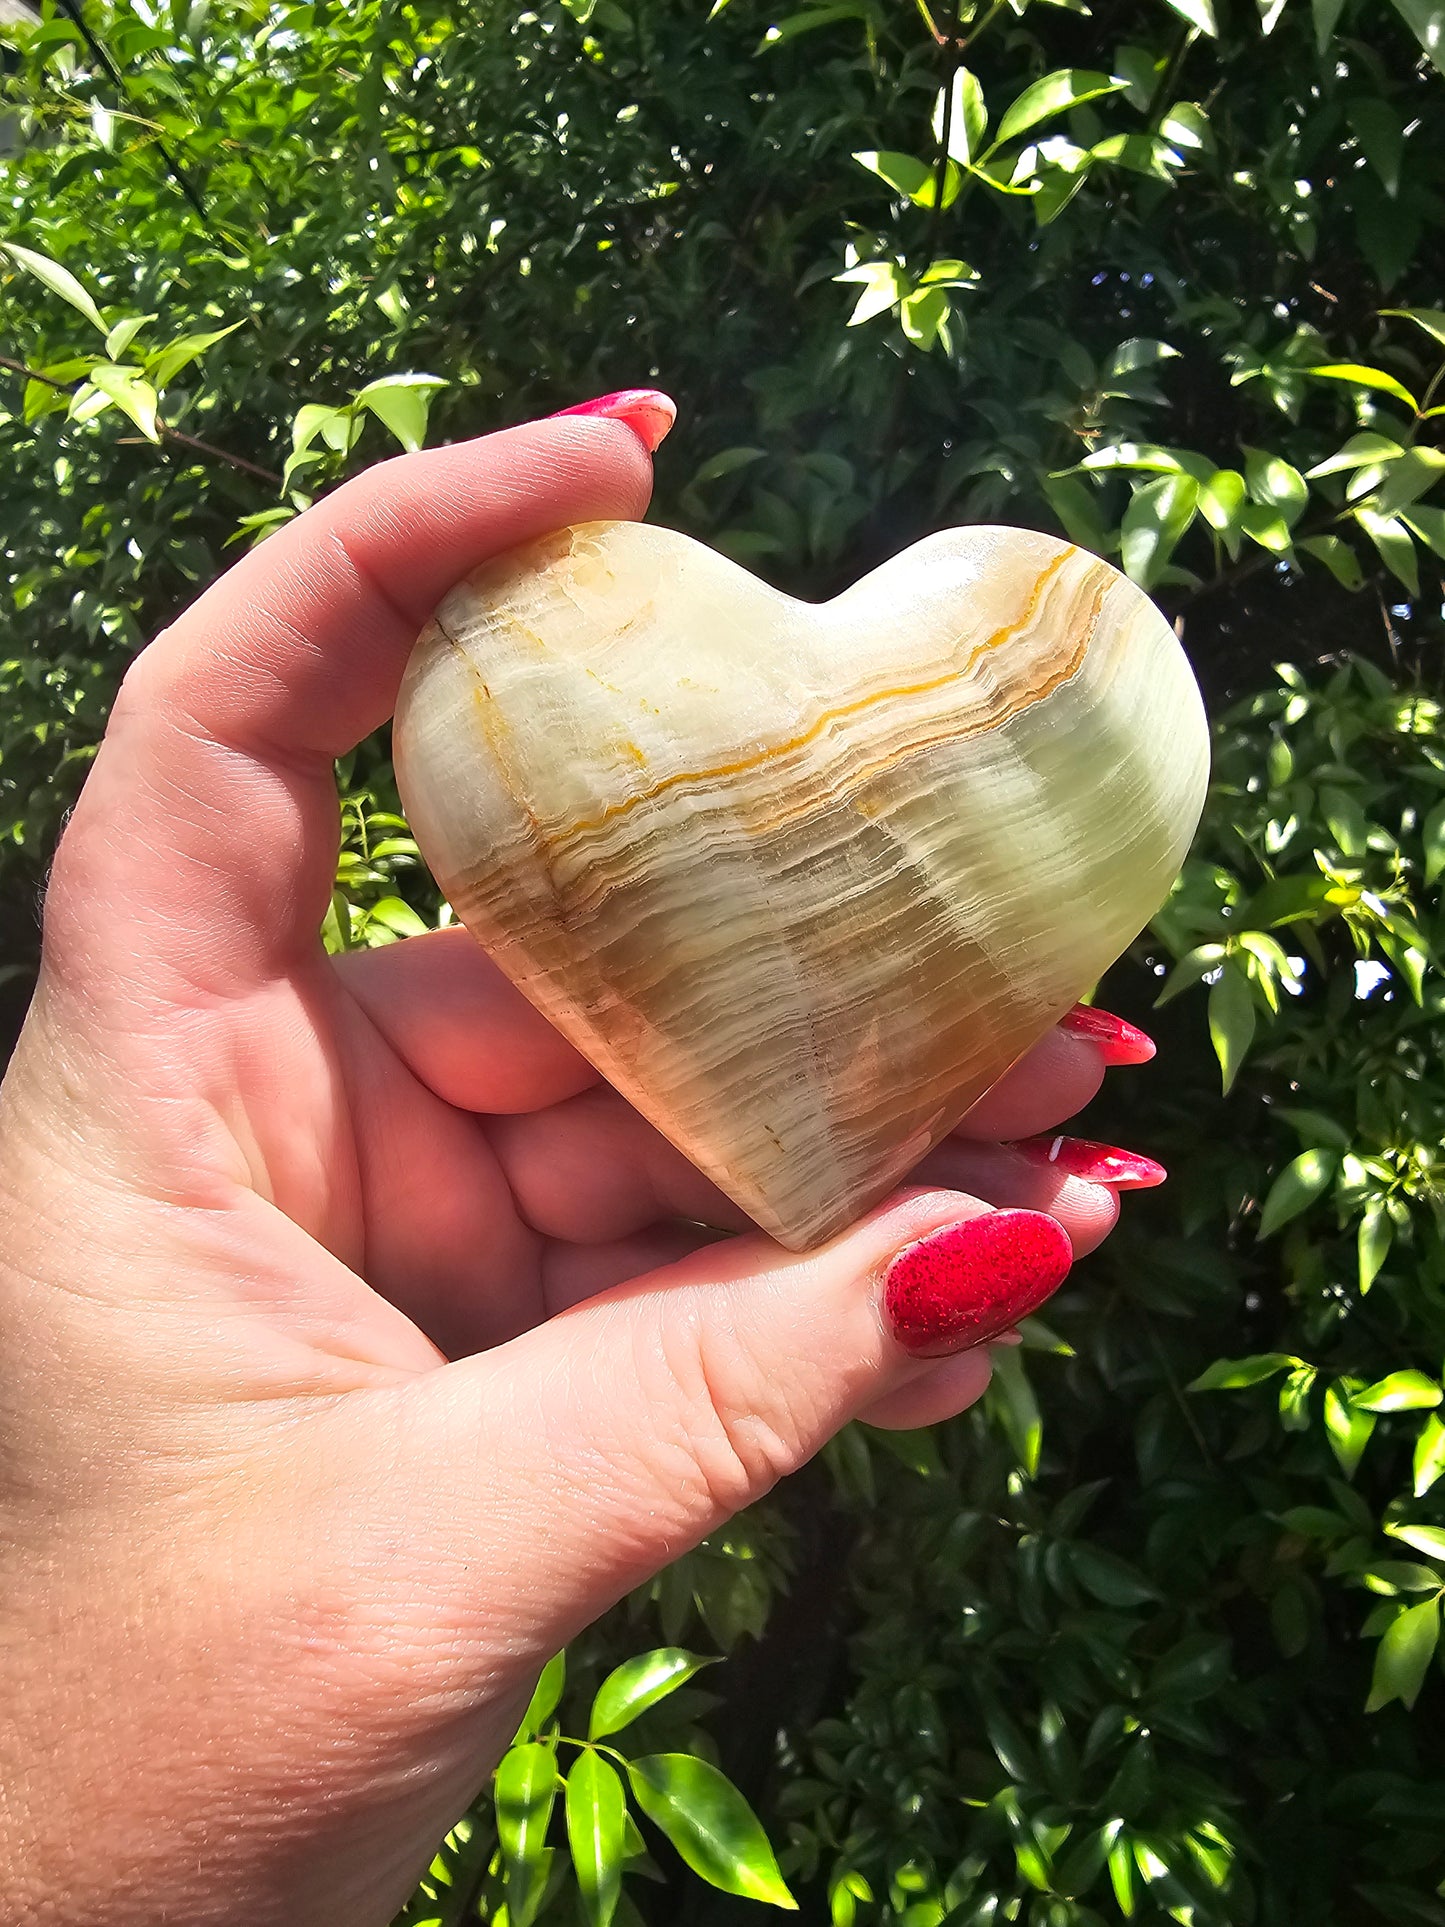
(801, 881)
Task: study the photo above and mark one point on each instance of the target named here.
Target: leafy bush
(1151, 1635)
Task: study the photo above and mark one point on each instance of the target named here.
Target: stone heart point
(801, 881)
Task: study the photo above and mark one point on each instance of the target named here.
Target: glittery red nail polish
(646, 411)
(1081, 1157)
(1116, 1041)
(966, 1283)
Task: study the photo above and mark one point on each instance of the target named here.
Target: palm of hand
(254, 1198)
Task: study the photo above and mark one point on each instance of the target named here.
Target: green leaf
(1231, 1374)
(59, 280)
(1372, 1242)
(1426, 20)
(1157, 516)
(808, 21)
(1363, 450)
(1111, 1580)
(904, 173)
(1403, 1656)
(1427, 1539)
(923, 316)
(1054, 94)
(726, 462)
(1378, 129)
(711, 1825)
(967, 118)
(545, 1697)
(1231, 1020)
(1191, 967)
(1407, 1391)
(1348, 1429)
(1429, 1459)
(1077, 508)
(1429, 525)
(1338, 557)
(1432, 320)
(1358, 376)
(1199, 13)
(315, 418)
(1297, 1186)
(884, 286)
(164, 364)
(132, 396)
(1011, 1399)
(396, 915)
(525, 1791)
(1396, 548)
(124, 333)
(1221, 499)
(1121, 1877)
(1410, 476)
(596, 1833)
(1326, 17)
(1276, 484)
(402, 404)
(631, 1688)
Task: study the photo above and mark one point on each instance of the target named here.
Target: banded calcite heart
(801, 881)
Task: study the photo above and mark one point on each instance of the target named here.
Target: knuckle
(736, 1434)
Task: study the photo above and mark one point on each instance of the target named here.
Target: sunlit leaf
(1232, 1374)
(1426, 20)
(1296, 1188)
(1359, 376)
(637, 1684)
(545, 1697)
(525, 1790)
(1054, 94)
(1199, 13)
(58, 279)
(710, 1824)
(596, 1808)
(1403, 1656)
(402, 403)
(965, 117)
(1232, 1020)
(1405, 1391)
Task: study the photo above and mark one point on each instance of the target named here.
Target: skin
(276, 1577)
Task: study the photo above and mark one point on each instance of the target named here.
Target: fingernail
(1082, 1157)
(646, 411)
(967, 1283)
(1116, 1041)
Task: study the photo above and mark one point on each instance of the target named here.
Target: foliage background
(1153, 1634)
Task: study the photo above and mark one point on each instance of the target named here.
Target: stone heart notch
(801, 880)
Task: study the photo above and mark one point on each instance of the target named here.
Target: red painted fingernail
(1116, 1041)
(1082, 1157)
(967, 1283)
(646, 411)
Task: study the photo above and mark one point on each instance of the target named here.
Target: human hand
(278, 1578)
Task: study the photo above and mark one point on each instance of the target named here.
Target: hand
(277, 1577)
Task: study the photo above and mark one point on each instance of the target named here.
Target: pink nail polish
(1082, 1157)
(1116, 1041)
(967, 1283)
(646, 411)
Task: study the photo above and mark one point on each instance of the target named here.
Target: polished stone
(801, 880)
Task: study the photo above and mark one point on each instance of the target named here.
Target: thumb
(597, 1447)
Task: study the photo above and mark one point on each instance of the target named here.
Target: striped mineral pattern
(801, 880)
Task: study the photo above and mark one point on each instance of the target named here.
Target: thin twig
(163, 429)
(177, 173)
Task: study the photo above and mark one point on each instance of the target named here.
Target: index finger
(204, 841)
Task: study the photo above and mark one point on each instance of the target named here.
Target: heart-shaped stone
(801, 881)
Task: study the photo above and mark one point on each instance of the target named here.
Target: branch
(177, 173)
(166, 432)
